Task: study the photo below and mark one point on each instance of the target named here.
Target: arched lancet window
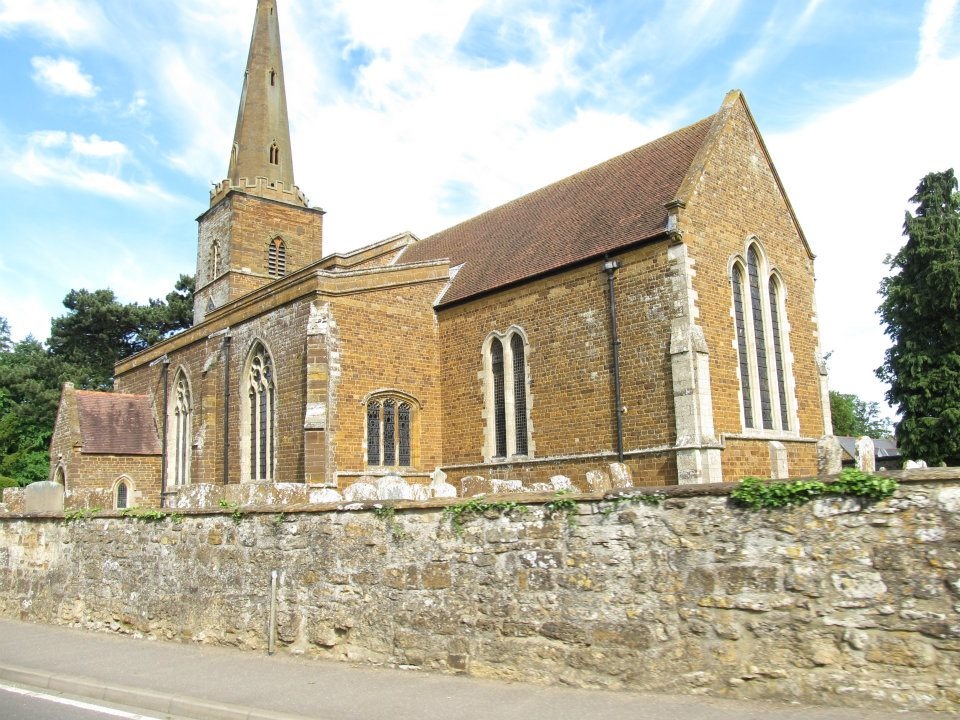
(499, 397)
(60, 476)
(762, 344)
(273, 77)
(121, 494)
(260, 395)
(519, 394)
(214, 268)
(277, 258)
(274, 154)
(181, 431)
(389, 430)
(507, 396)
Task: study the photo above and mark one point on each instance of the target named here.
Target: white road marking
(77, 703)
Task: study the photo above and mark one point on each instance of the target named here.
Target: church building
(656, 310)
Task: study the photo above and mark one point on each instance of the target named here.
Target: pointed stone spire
(261, 161)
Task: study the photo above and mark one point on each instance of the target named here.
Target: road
(18, 703)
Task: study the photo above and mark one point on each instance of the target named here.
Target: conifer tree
(921, 311)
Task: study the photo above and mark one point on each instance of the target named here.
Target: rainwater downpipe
(226, 409)
(610, 267)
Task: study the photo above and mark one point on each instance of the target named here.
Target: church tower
(259, 227)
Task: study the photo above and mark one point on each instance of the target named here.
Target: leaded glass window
(373, 433)
(499, 401)
(778, 350)
(506, 397)
(121, 495)
(261, 406)
(389, 427)
(762, 345)
(182, 422)
(746, 385)
(519, 394)
(759, 334)
(403, 434)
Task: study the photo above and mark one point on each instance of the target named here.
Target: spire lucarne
(261, 161)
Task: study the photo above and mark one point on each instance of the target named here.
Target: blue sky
(116, 116)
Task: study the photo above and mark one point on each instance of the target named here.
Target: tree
(921, 311)
(99, 330)
(30, 381)
(855, 417)
(96, 332)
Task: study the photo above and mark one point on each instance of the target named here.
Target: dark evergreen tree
(921, 311)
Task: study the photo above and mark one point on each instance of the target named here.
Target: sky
(116, 116)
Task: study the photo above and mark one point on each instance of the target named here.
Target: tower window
(274, 154)
(273, 78)
(276, 258)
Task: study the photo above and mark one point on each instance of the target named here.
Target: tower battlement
(261, 187)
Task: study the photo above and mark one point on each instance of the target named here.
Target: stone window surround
(258, 348)
(179, 436)
(767, 274)
(399, 397)
(127, 483)
(489, 449)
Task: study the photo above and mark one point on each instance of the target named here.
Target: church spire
(261, 161)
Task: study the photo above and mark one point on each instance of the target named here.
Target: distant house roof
(602, 209)
(117, 424)
(883, 448)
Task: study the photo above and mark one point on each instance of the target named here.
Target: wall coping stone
(667, 492)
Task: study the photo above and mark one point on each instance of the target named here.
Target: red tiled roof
(117, 424)
(601, 209)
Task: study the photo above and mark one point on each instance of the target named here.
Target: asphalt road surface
(22, 704)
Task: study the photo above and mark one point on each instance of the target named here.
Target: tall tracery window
(260, 390)
(507, 396)
(181, 416)
(389, 429)
(762, 343)
(277, 258)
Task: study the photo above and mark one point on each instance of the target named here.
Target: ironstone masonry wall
(831, 602)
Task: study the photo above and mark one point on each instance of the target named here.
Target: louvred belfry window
(762, 343)
(277, 258)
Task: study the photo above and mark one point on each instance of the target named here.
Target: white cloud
(936, 22)
(62, 76)
(779, 36)
(86, 163)
(73, 22)
(885, 143)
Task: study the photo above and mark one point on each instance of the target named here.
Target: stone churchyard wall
(834, 602)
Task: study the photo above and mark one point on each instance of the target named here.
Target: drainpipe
(610, 267)
(226, 408)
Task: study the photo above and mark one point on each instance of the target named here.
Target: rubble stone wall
(833, 602)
